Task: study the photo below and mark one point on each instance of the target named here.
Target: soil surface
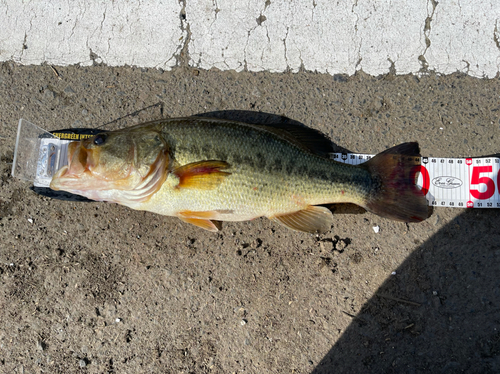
(99, 288)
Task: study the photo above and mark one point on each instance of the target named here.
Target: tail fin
(395, 195)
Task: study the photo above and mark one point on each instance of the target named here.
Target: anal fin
(313, 219)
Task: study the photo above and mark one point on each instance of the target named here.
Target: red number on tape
(425, 177)
(490, 185)
(498, 182)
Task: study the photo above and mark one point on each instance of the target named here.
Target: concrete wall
(338, 37)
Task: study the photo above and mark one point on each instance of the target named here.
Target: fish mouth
(80, 163)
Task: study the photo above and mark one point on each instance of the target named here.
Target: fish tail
(395, 194)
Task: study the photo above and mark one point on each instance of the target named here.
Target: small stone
(341, 245)
(243, 322)
(376, 229)
(434, 219)
(117, 320)
(435, 293)
(30, 220)
(82, 363)
(241, 311)
(49, 95)
(40, 345)
(393, 273)
(69, 91)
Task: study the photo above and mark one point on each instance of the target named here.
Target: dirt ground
(99, 288)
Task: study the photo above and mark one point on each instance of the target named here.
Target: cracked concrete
(496, 35)
(427, 33)
(335, 37)
(182, 55)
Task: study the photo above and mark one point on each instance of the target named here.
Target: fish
(206, 171)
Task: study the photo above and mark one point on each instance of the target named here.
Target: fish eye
(100, 139)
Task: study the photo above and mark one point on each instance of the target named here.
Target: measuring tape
(451, 182)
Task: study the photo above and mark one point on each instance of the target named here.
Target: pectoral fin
(313, 219)
(203, 175)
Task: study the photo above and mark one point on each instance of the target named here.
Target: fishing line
(158, 104)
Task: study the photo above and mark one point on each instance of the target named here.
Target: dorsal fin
(306, 138)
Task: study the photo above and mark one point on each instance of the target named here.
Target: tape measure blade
(452, 182)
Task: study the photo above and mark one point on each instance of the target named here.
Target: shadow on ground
(439, 313)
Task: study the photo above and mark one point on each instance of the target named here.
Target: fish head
(102, 166)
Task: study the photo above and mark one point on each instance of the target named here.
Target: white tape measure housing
(451, 182)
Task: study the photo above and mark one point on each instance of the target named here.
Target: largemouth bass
(204, 171)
